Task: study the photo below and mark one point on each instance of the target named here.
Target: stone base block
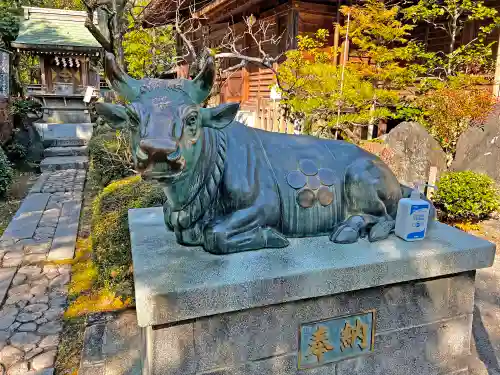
(244, 314)
(421, 328)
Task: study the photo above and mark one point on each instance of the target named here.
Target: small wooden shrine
(65, 48)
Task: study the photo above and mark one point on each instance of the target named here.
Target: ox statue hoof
(345, 235)
(381, 230)
(274, 239)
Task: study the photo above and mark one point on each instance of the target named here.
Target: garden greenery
(466, 196)
(390, 76)
(6, 173)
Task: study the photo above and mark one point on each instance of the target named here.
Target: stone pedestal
(241, 314)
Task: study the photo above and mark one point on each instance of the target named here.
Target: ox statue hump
(233, 188)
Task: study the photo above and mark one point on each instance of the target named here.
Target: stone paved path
(33, 289)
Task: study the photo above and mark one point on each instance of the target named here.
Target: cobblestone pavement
(59, 181)
(33, 291)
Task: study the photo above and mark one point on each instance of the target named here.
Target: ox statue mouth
(165, 171)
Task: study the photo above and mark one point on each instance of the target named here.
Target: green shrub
(109, 228)
(5, 173)
(466, 196)
(24, 107)
(110, 157)
(16, 152)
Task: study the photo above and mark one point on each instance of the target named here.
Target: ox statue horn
(203, 82)
(120, 81)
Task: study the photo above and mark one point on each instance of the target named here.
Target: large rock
(478, 149)
(414, 152)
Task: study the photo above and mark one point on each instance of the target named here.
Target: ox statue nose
(155, 148)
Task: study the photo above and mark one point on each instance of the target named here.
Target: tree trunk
(118, 20)
(453, 37)
(119, 50)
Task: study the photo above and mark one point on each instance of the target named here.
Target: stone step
(55, 163)
(66, 151)
(70, 134)
(65, 142)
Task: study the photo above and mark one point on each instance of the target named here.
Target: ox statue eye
(190, 122)
(191, 119)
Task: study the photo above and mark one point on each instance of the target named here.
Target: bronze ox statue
(231, 187)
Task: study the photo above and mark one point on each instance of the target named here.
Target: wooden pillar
(433, 171)
(336, 38)
(43, 78)
(496, 83)
(293, 25)
(85, 66)
(344, 52)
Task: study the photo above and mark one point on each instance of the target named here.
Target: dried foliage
(126, 24)
(449, 110)
(110, 157)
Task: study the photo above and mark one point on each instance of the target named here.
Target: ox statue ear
(219, 117)
(115, 114)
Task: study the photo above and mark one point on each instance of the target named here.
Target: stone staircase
(66, 145)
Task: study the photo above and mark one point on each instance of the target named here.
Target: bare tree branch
(92, 6)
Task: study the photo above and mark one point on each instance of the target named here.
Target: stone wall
(422, 328)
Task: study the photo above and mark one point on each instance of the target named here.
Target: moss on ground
(85, 294)
(102, 267)
(110, 234)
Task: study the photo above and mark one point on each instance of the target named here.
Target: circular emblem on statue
(313, 182)
(326, 176)
(325, 196)
(306, 198)
(308, 167)
(296, 179)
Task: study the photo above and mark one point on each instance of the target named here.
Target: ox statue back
(233, 188)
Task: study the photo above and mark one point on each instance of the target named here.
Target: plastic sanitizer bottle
(412, 217)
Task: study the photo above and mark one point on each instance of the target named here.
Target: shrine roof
(54, 30)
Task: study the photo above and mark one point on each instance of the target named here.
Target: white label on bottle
(418, 214)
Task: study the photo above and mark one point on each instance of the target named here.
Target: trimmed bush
(16, 152)
(5, 173)
(110, 157)
(109, 228)
(466, 196)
